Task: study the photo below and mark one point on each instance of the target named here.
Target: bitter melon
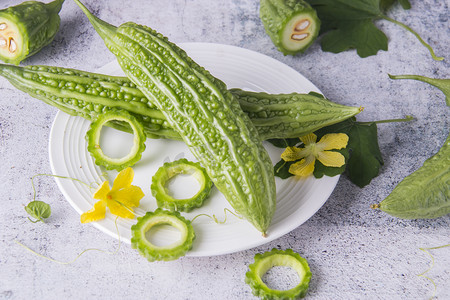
(87, 95)
(424, 194)
(287, 258)
(153, 252)
(172, 169)
(205, 114)
(93, 139)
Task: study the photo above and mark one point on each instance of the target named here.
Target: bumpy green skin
(291, 115)
(276, 15)
(93, 139)
(38, 24)
(205, 114)
(170, 170)
(288, 258)
(162, 217)
(85, 94)
(425, 194)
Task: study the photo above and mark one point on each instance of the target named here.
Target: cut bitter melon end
(299, 32)
(287, 258)
(12, 48)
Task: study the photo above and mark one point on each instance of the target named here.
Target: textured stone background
(354, 252)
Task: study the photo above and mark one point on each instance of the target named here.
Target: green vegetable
(26, 28)
(93, 139)
(291, 115)
(349, 24)
(152, 252)
(204, 113)
(38, 210)
(292, 25)
(86, 95)
(425, 194)
(172, 169)
(287, 258)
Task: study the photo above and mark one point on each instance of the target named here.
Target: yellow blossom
(313, 150)
(120, 199)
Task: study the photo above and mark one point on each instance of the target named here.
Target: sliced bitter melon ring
(170, 170)
(152, 252)
(93, 139)
(286, 258)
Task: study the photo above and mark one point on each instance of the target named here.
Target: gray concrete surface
(354, 252)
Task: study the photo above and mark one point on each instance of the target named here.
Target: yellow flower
(120, 199)
(316, 150)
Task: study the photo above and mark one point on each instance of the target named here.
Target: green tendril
(281, 167)
(58, 176)
(214, 218)
(430, 49)
(79, 255)
(407, 118)
(431, 266)
(36, 221)
(39, 209)
(129, 209)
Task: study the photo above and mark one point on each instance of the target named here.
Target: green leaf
(442, 84)
(386, 4)
(38, 210)
(349, 24)
(363, 36)
(405, 4)
(365, 157)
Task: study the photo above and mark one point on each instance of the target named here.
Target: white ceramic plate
(297, 200)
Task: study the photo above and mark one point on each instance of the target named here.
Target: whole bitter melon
(205, 114)
(424, 194)
(291, 115)
(87, 95)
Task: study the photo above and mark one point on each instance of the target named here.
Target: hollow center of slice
(115, 143)
(281, 278)
(163, 235)
(182, 186)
